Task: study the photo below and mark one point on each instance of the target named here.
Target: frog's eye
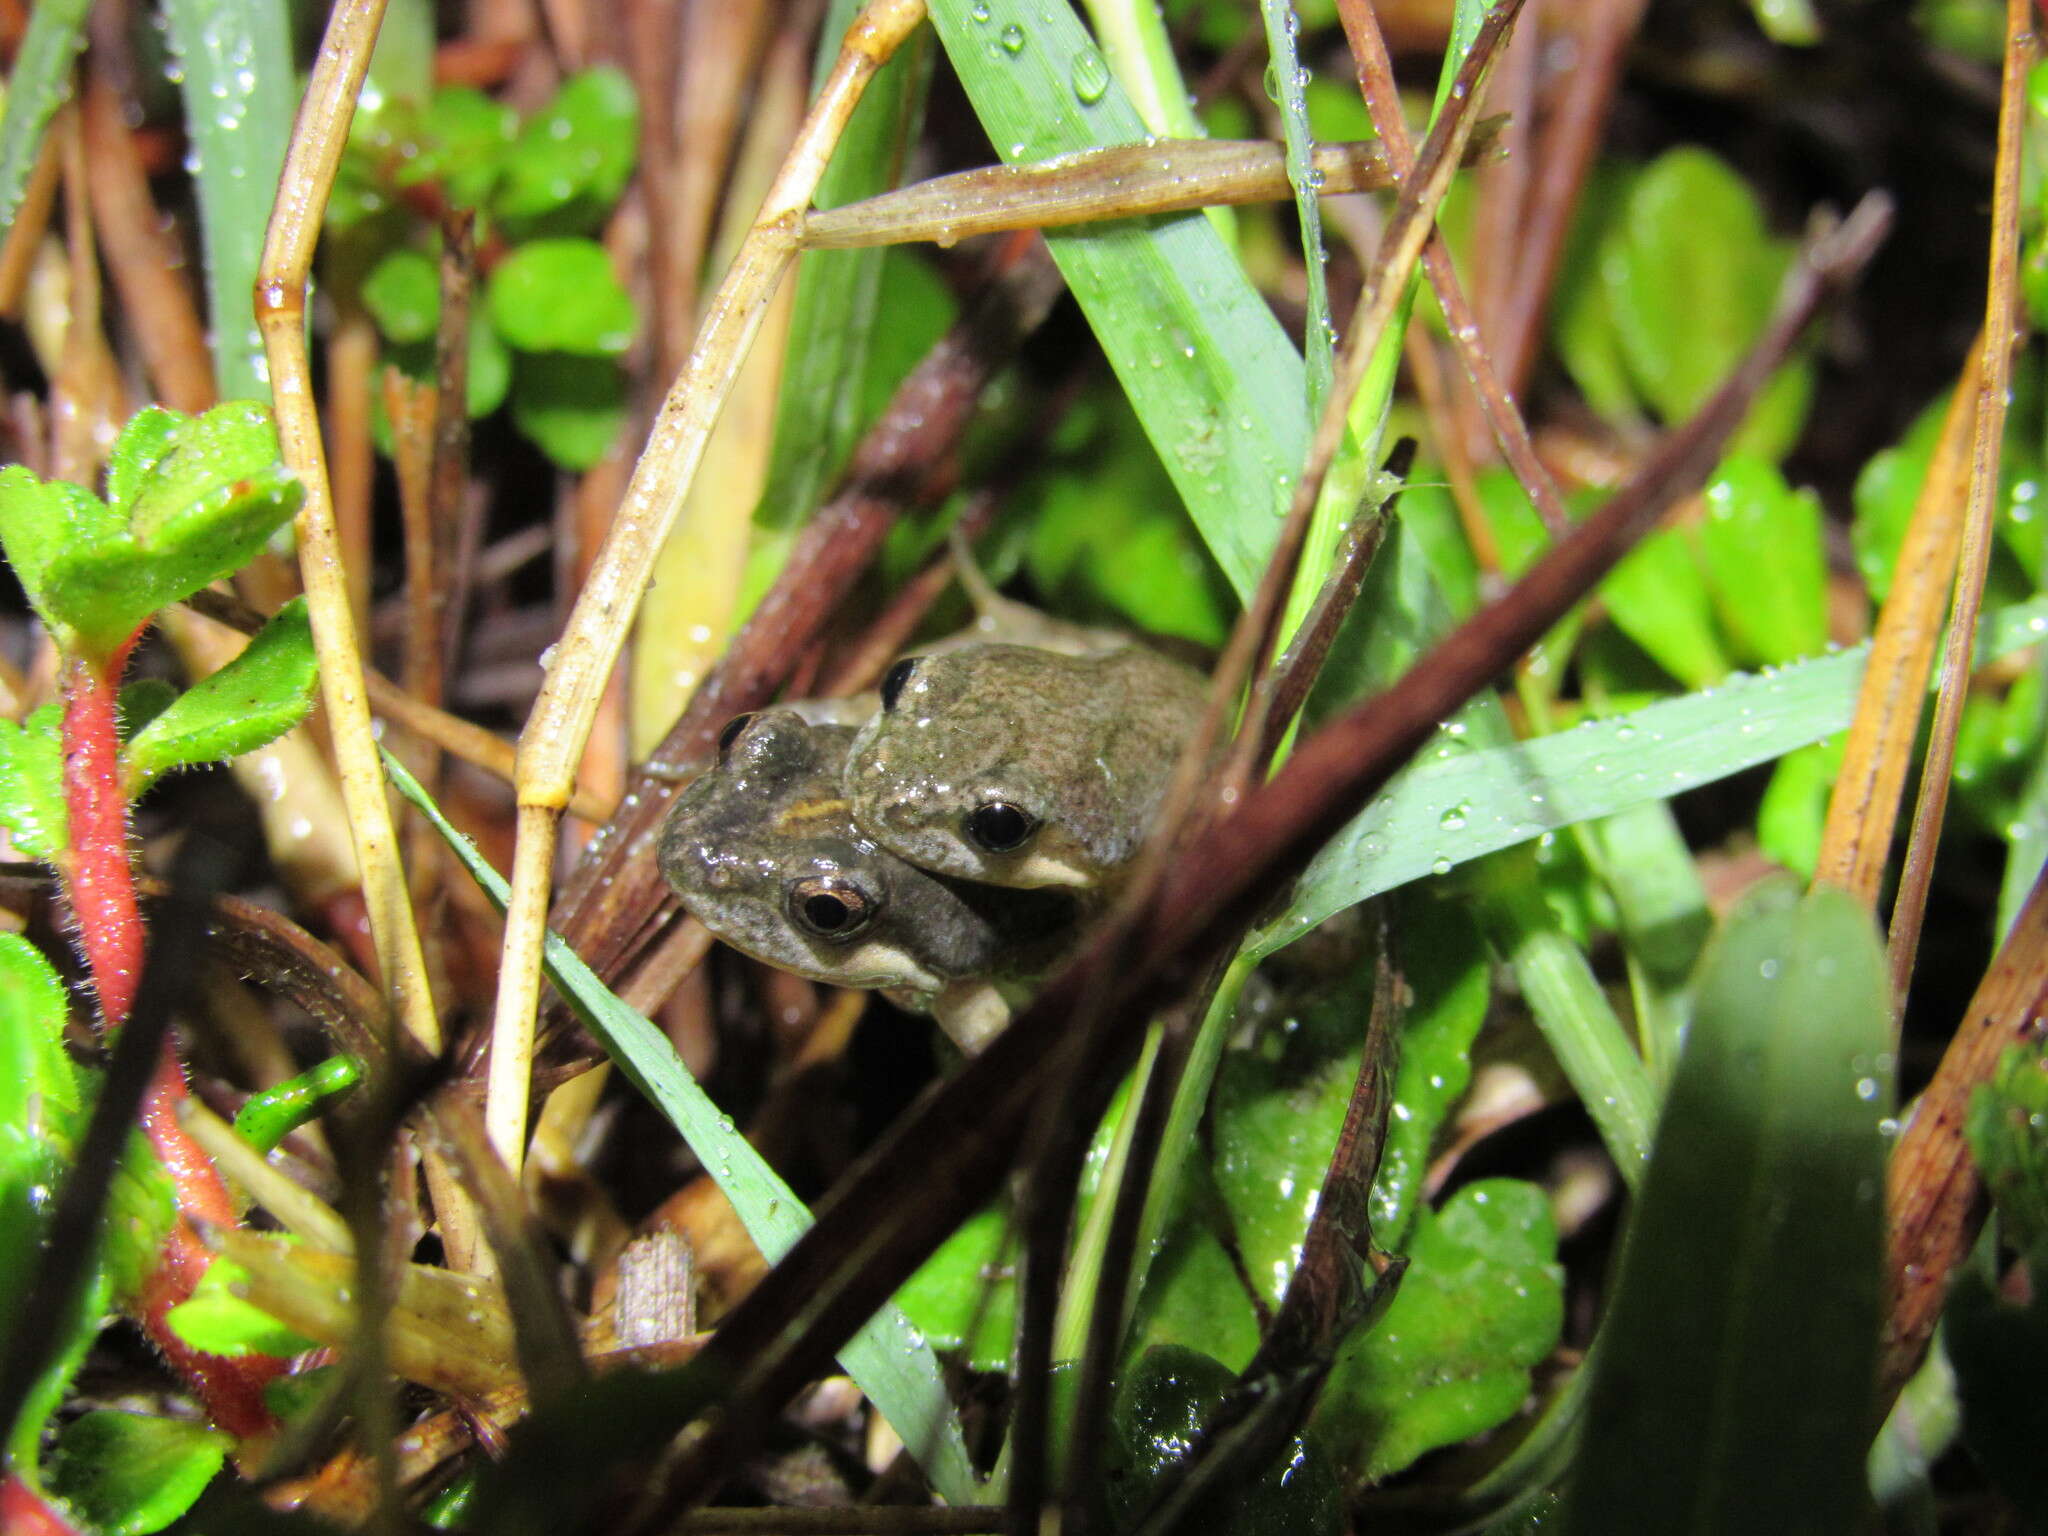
(829, 907)
(894, 679)
(730, 731)
(1000, 827)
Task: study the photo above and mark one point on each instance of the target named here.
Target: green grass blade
(1454, 805)
(817, 412)
(1220, 389)
(888, 1358)
(237, 81)
(38, 86)
(1288, 81)
(1734, 1387)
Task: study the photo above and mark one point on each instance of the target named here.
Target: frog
(1022, 767)
(763, 850)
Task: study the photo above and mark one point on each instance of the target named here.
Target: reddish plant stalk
(24, 1512)
(100, 884)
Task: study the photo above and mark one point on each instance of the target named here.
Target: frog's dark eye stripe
(730, 732)
(1000, 827)
(894, 679)
(830, 908)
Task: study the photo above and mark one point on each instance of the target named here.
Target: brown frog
(764, 852)
(1021, 767)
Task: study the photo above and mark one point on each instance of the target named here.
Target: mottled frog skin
(763, 850)
(1020, 767)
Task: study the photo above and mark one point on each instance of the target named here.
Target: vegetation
(1546, 1080)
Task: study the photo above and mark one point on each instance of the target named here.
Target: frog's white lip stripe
(1044, 869)
(887, 961)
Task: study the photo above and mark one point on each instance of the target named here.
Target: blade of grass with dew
(38, 86)
(1733, 1389)
(1210, 373)
(888, 1358)
(1287, 83)
(1454, 805)
(837, 300)
(235, 63)
(1139, 55)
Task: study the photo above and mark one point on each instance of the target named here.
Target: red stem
(24, 1512)
(100, 882)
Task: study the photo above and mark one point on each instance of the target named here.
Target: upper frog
(1021, 767)
(764, 852)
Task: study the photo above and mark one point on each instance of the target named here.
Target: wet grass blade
(239, 92)
(888, 1358)
(1452, 806)
(1220, 389)
(1734, 1388)
(38, 86)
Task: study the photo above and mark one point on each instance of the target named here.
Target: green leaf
(42, 520)
(464, 143)
(403, 295)
(247, 704)
(1691, 276)
(1158, 1412)
(561, 296)
(266, 1118)
(1445, 963)
(200, 509)
(1220, 389)
(573, 407)
(1886, 488)
(1194, 1296)
(1795, 805)
(32, 785)
(1765, 562)
(1658, 597)
(1454, 804)
(2008, 1133)
(1481, 1304)
(132, 1473)
(1732, 1389)
(1581, 311)
(38, 1084)
(216, 1320)
(37, 87)
(964, 1297)
(144, 443)
(485, 385)
(573, 157)
(1999, 1350)
(888, 1359)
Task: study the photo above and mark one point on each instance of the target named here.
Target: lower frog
(764, 852)
(1021, 767)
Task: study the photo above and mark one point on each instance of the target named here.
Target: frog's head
(974, 768)
(763, 851)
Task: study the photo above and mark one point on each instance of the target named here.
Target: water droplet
(1013, 38)
(1090, 76)
(1453, 820)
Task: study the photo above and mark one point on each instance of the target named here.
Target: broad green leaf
(888, 1359)
(1454, 804)
(32, 785)
(1795, 805)
(573, 157)
(1581, 311)
(964, 1297)
(464, 143)
(1157, 1414)
(1886, 488)
(561, 296)
(573, 407)
(38, 1085)
(236, 76)
(1762, 544)
(403, 295)
(43, 520)
(1999, 1350)
(134, 1473)
(143, 444)
(1658, 597)
(217, 1321)
(1733, 1385)
(1691, 275)
(247, 704)
(1195, 1297)
(1218, 386)
(200, 509)
(1481, 1304)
